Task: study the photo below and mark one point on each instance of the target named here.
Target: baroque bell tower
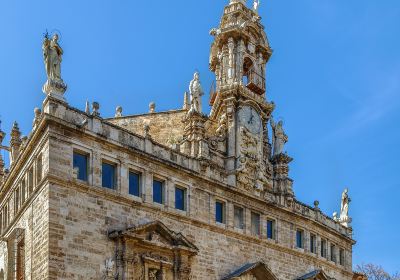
(239, 56)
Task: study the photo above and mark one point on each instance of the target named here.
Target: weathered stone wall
(165, 127)
(82, 213)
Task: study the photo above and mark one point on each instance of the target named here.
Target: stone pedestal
(55, 89)
(282, 183)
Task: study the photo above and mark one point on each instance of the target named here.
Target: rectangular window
(158, 191)
(333, 253)
(220, 212)
(134, 183)
(255, 223)
(341, 257)
(30, 181)
(180, 198)
(239, 217)
(16, 201)
(300, 238)
(108, 175)
(39, 166)
(270, 229)
(80, 162)
(313, 242)
(323, 248)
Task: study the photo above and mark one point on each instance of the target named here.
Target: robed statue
(196, 92)
(279, 137)
(52, 56)
(344, 207)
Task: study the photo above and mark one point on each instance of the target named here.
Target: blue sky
(334, 76)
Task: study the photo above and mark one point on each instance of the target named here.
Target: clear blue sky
(334, 75)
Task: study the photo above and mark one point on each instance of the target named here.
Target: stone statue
(344, 207)
(52, 55)
(256, 5)
(279, 138)
(196, 92)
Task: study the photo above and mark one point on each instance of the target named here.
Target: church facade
(166, 195)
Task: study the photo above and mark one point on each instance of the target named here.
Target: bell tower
(239, 55)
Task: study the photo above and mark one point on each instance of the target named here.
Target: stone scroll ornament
(52, 56)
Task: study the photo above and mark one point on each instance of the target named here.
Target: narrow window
(255, 223)
(16, 201)
(299, 238)
(20, 259)
(30, 181)
(238, 216)
(323, 248)
(313, 243)
(134, 183)
(341, 257)
(158, 191)
(108, 175)
(180, 198)
(220, 212)
(23, 191)
(333, 252)
(39, 166)
(270, 229)
(81, 165)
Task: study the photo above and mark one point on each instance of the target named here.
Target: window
(341, 257)
(30, 181)
(255, 223)
(219, 212)
(134, 183)
(39, 165)
(16, 201)
(238, 216)
(323, 248)
(108, 175)
(158, 191)
(180, 198)
(23, 191)
(20, 261)
(333, 253)
(313, 242)
(81, 165)
(270, 229)
(300, 238)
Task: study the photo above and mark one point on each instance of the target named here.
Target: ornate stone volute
(15, 142)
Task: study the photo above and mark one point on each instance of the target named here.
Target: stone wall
(165, 127)
(82, 213)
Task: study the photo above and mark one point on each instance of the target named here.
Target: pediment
(252, 271)
(315, 275)
(157, 234)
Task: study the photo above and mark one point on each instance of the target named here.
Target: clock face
(249, 118)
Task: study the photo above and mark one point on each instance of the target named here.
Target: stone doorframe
(151, 251)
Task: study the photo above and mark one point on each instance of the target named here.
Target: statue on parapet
(52, 55)
(196, 92)
(279, 138)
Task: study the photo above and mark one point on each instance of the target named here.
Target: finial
(316, 205)
(95, 109)
(118, 112)
(37, 112)
(152, 107)
(87, 107)
(186, 102)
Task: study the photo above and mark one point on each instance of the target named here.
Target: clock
(249, 118)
